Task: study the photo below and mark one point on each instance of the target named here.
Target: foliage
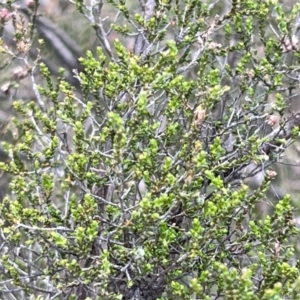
(142, 180)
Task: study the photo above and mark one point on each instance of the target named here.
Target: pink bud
(30, 3)
(272, 120)
(5, 15)
(19, 73)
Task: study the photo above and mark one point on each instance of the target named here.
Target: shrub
(142, 179)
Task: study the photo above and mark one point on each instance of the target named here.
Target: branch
(140, 41)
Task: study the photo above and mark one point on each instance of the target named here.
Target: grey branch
(140, 41)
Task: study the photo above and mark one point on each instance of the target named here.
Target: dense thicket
(142, 169)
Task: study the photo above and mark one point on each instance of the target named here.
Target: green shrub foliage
(143, 181)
